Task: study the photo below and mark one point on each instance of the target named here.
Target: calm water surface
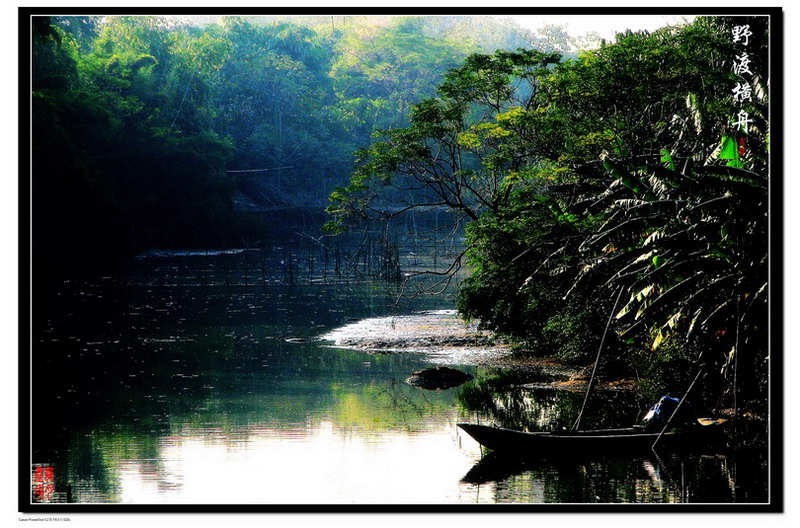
(197, 379)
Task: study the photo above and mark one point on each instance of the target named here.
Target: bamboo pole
(596, 362)
(736, 367)
(675, 412)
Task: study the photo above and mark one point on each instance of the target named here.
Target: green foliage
(138, 119)
(668, 371)
(603, 172)
(451, 155)
(115, 170)
(684, 236)
(55, 64)
(616, 168)
(509, 290)
(570, 334)
(398, 64)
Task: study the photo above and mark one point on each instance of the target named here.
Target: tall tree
(602, 172)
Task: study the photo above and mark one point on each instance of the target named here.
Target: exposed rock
(438, 378)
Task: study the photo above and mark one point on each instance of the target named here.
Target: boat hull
(608, 440)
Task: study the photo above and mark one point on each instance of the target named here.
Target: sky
(576, 25)
(605, 25)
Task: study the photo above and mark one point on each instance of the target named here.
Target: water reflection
(197, 379)
(689, 473)
(670, 478)
(516, 399)
(317, 462)
(227, 414)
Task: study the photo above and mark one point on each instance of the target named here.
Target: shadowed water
(198, 378)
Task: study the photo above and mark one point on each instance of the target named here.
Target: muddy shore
(445, 339)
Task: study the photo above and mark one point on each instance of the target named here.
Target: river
(198, 378)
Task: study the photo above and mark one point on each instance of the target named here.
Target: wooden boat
(601, 440)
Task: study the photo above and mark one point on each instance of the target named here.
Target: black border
(776, 283)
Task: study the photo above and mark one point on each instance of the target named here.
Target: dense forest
(626, 187)
(615, 180)
(165, 132)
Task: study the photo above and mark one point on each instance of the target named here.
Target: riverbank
(440, 335)
(445, 339)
